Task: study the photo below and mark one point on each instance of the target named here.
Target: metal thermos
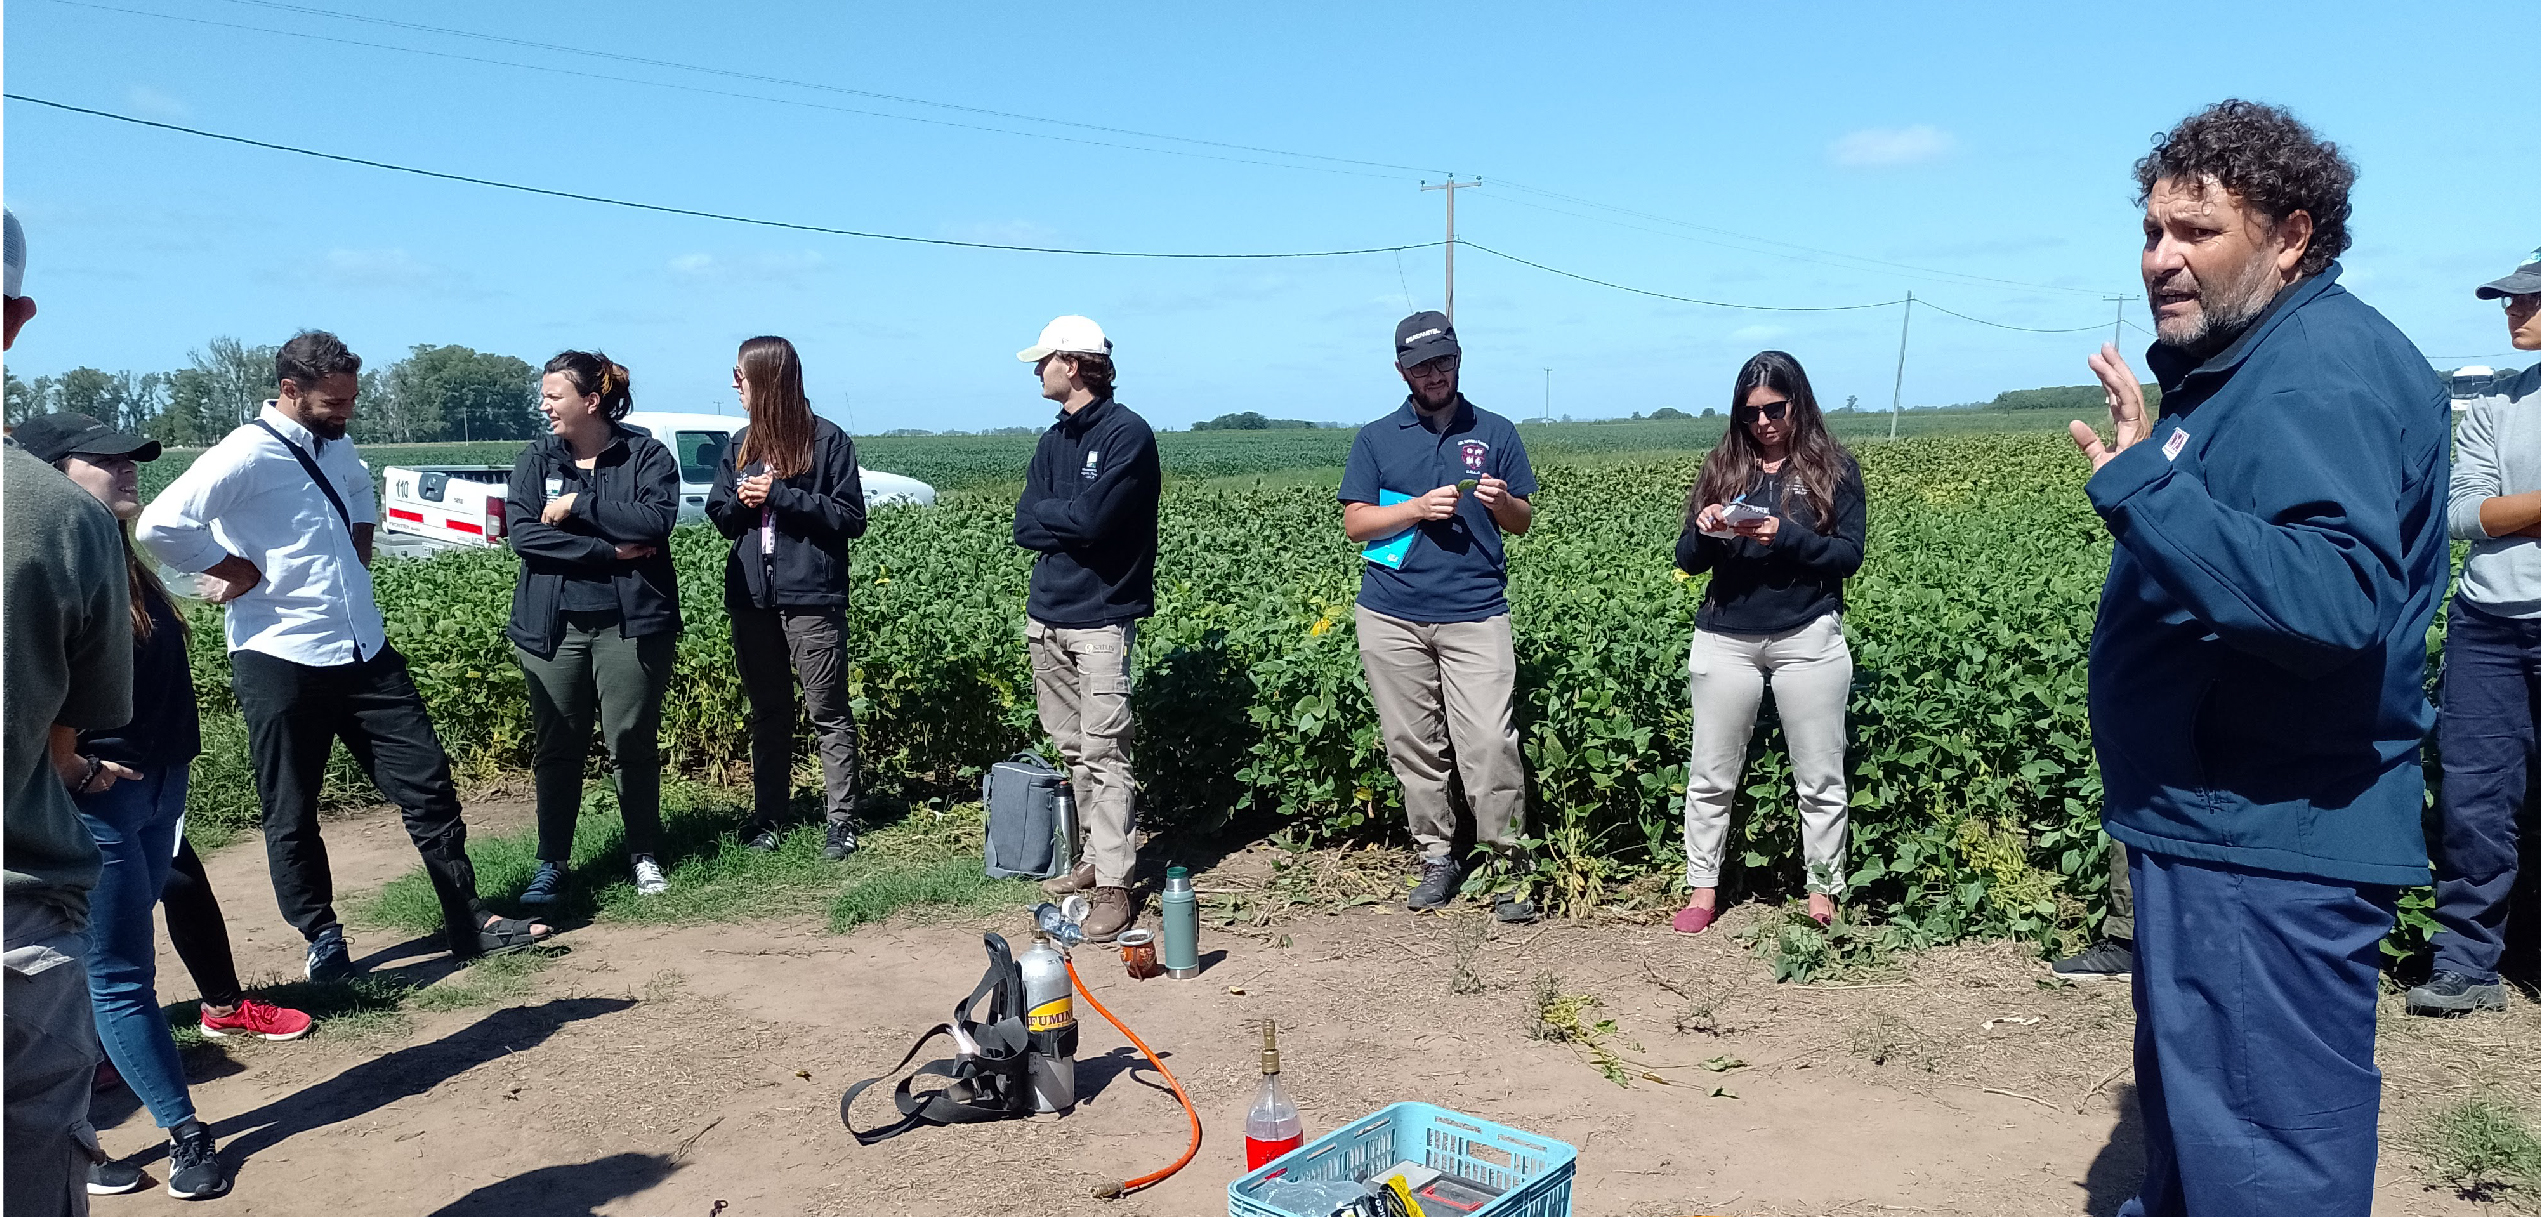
(1050, 1025)
(1063, 854)
(1179, 915)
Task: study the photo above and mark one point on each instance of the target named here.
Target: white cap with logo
(1067, 336)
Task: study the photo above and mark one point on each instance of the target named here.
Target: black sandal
(505, 935)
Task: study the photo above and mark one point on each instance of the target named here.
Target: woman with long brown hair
(1776, 516)
(788, 495)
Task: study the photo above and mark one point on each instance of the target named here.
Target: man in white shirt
(278, 518)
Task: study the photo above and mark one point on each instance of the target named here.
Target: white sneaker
(648, 876)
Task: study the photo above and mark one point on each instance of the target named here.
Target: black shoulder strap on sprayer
(989, 1085)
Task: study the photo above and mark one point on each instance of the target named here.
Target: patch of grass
(1563, 1018)
(1801, 951)
(493, 981)
(928, 859)
(2484, 1149)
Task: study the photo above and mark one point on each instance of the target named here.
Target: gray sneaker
(1439, 877)
(2452, 992)
(2108, 959)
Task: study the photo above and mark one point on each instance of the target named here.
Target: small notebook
(1389, 552)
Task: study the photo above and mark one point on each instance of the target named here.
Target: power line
(697, 213)
(690, 211)
(552, 70)
(1953, 278)
(1922, 270)
(2026, 329)
(1644, 291)
(566, 49)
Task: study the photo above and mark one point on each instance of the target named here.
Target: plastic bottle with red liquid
(1272, 1127)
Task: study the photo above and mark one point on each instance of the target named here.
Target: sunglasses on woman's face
(1771, 411)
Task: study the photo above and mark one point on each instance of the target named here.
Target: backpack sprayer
(1018, 1055)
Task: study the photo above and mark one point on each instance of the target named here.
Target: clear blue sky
(1975, 142)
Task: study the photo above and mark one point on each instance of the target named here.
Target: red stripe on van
(400, 513)
(464, 526)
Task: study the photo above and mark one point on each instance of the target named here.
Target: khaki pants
(1081, 685)
(1443, 696)
(1812, 671)
(51, 1063)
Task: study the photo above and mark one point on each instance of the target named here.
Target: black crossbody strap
(311, 465)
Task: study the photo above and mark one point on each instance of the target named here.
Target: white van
(462, 505)
(698, 440)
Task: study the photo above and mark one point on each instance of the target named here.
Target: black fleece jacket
(1089, 510)
(631, 496)
(1767, 589)
(817, 513)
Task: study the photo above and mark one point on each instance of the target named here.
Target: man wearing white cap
(66, 635)
(1089, 510)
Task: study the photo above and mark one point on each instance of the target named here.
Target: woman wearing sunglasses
(1777, 517)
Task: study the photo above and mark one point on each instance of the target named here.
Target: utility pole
(1548, 391)
(2120, 320)
(1897, 388)
(1451, 186)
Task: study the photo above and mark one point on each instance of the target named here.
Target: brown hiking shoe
(1115, 910)
(1075, 881)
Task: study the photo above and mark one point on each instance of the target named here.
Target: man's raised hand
(2126, 401)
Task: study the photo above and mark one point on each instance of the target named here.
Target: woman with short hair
(1776, 517)
(788, 495)
(595, 608)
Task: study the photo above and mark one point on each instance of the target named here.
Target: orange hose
(1114, 1191)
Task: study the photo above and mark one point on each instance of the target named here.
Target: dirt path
(657, 1072)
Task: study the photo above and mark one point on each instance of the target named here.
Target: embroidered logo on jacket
(1474, 453)
(2172, 446)
(1088, 473)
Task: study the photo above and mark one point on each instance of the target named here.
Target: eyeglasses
(736, 373)
(1771, 411)
(1432, 369)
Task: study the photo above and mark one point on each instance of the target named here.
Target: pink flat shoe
(1692, 920)
(1824, 919)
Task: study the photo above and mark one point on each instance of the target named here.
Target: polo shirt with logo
(1456, 569)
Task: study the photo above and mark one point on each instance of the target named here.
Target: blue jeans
(2485, 733)
(135, 824)
(2255, 1039)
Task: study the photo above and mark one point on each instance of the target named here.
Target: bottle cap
(1178, 879)
(1270, 1047)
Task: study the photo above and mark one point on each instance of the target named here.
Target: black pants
(295, 713)
(196, 931)
(2486, 734)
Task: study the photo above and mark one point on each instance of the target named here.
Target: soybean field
(1976, 801)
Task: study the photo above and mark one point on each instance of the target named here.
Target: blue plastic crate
(1533, 1173)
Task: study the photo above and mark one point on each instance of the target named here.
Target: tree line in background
(436, 394)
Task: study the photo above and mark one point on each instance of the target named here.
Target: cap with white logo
(1067, 336)
(1422, 337)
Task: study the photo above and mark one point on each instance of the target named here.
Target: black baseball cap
(1422, 337)
(2525, 281)
(50, 437)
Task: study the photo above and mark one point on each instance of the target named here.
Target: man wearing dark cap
(2493, 667)
(2256, 668)
(1428, 493)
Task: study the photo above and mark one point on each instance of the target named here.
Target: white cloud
(788, 268)
(378, 268)
(1881, 147)
(693, 264)
(1757, 333)
(150, 102)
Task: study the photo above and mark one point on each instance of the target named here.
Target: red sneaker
(257, 1018)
